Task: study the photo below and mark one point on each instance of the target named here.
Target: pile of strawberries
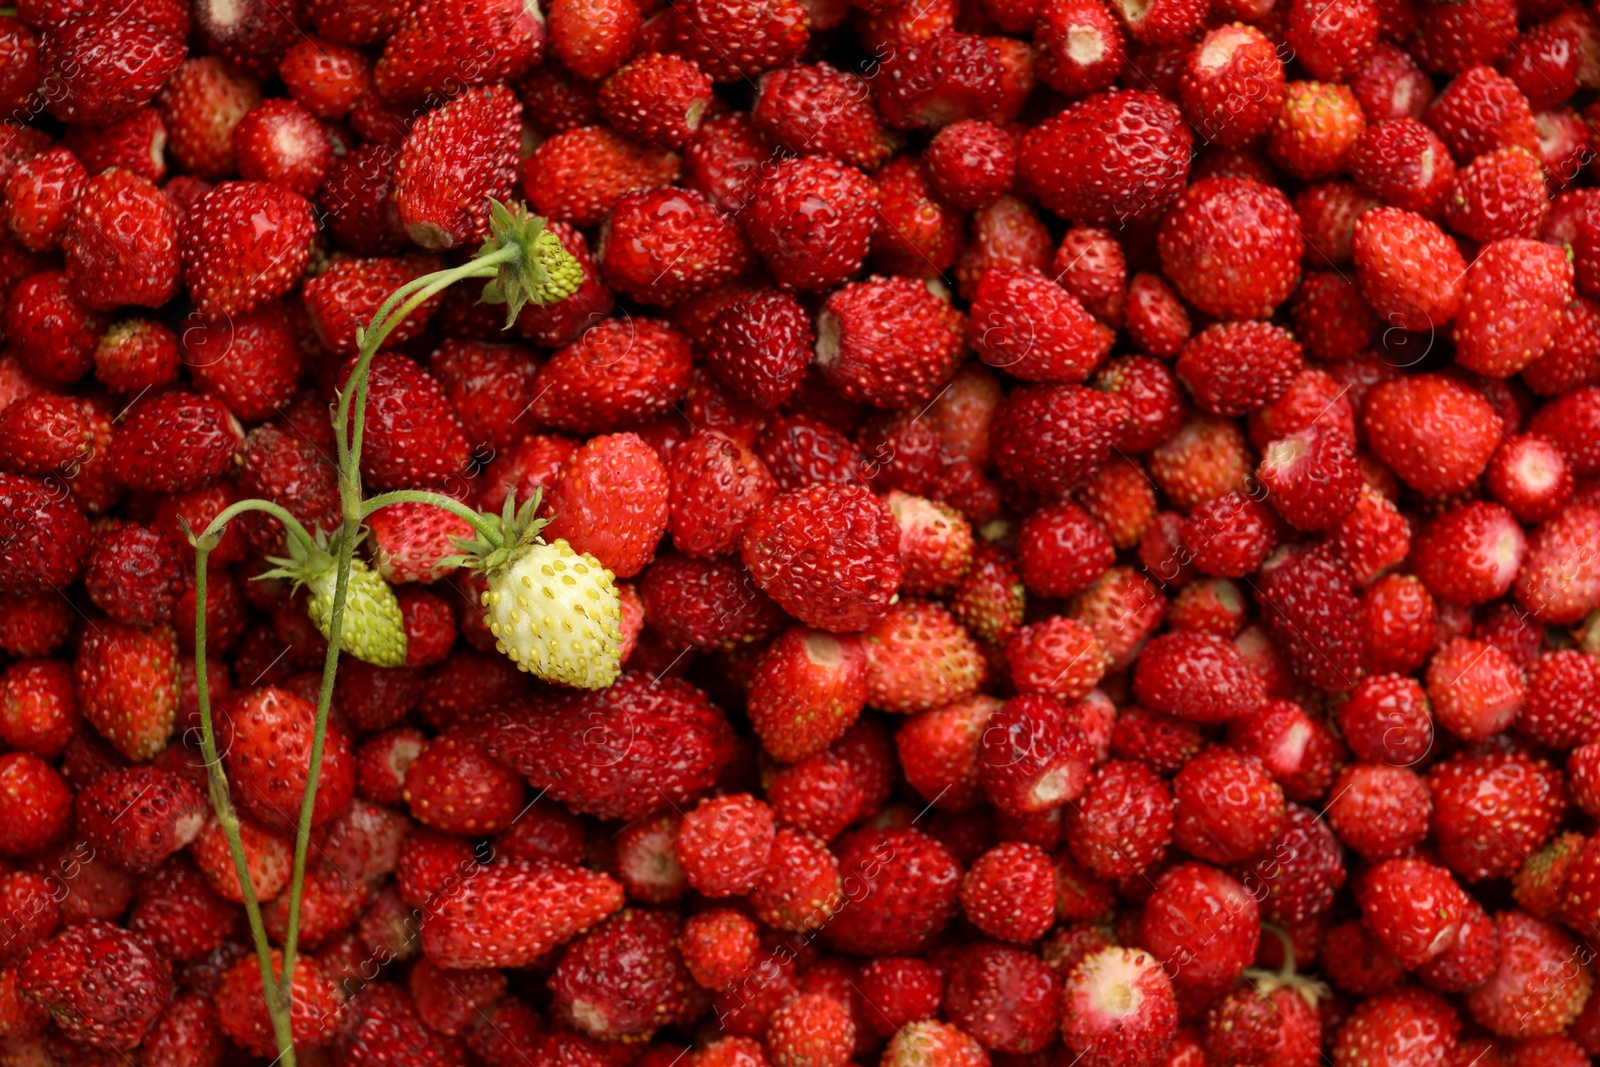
(1104, 497)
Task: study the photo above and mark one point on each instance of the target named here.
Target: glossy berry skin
(1225, 268)
(801, 249)
(243, 244)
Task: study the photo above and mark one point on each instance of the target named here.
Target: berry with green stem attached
(373, 627)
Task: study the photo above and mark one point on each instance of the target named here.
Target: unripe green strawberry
(373, 627)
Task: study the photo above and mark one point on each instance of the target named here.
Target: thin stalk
(390, 314)
(278, 1009)
(438, 500)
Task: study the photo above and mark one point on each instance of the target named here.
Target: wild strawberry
(610, 501)
(138, 816)
(657, 99)
(1187, 900)
(93, 73)
(1500, 195)
(1434, 432)
(1413, 908)
(1230, 536)
(1335, 323)
(102, 984)
(134, 355)
(1034, 329)
(1005, 997)
(593, 40)
(577, 176)
(1569, 422)
(818, 794)
(1395, 1027)
(1033, 755)
(707, 604)
(1492, 809)
(358, 194)
(917, 234)
(1227, 807)
(1309, 609)
(1231, 273)
(933, 1043)
(40, 197)
(645, 244)
(411, 435)
(1475, 688)
(1481, 111)
(243, 244)
(618, 373)
(1197, 677)
(37, 806)
(801, 888)
(200, 106)
(1511, 304)
(242, 1009)
(623, 977)
(280, 141)
(1379, 811)
(437, 49)
(1530, 476)
(1092, 163)
(1391, 85)
(919, 657)
(53, 333)
(1122, 824)
(1333, 42)
(725, 160)
(324, 77)
(1315, 132)
(731, 42)
(39, 707)
(972, 163)
(1408, 271)
(516, 911)
(268, 859)
(938, 751)
(130, 680)
(1061, 550)
(718, 945)
(1470, 554)
(800, 248)
(1049, 438)
(453, 162)
(1533, 992)
(1232, 85)
(453, 786)
(900, 990)
(1155, 317)
(653, 742)
(1562, 708)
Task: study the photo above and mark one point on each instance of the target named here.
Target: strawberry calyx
(1268, 982)
(541, 270)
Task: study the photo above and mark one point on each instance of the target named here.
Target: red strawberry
(947, 78)
(619, 373)
(440, 48)
(888, 342)
(39, 706)
(716, 488)
(610, 500)
(724, 161)
(973, 163)
(280, 141)
(94, 71)
(37, 804)
(511, 913)
(1470, 554)
(1203, 925)
(1237, 367)
(731, 41)
(200, 106)
(1533, 992)
(1500, 195)
(452, 162)
(1491, 809)
(242, 1009)
(1391, 1029)
(40, 196)
(1114, 156)
(411, 436)
(1033, 755)
(934, 1044)
(267, 755)
(707, 604)
(1318, 127)
(1481, 111)
(1379, 811)
(911, 899)
(243, 244)
(645, 743)
(621, 979)
(827, 554)
(657, 99)
(919, 657)
(1223, 265)
(1122, 825)
(811, 1029)
(802, 249)
(1413, 908)
(1434, 432)
(578, 175)
(51, 331)
(453, 786)
(1475, 688)
(135, 355)
(1409, 272)
(1530, 476)
(1227, 807)
(1511, 305)
(1196, 676)
(591, 40)
(1034, 329)
(663, 245)
(129, 678)
(718, 946)
(324, 77)
(1005, 997)
(102, 984)
(1314, 617)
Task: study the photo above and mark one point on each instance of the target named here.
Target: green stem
(279, 993)
(438, 500)
(390, 313)
(278, 1009)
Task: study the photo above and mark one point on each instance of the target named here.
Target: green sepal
(517, 528)
(542, 272)
(373, 627)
